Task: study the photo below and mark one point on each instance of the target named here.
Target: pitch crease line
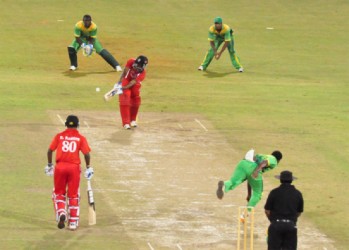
(180, 125)
(150, 246)
(179, 247)
(60, 118)
(201, 124)
(86, 124)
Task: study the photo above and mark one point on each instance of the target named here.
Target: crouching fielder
(129, 90)
(67, 145)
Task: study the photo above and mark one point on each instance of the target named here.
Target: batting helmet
(72, 121)
(140, 63)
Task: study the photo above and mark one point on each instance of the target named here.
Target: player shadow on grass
(212, 74)
(77, 74)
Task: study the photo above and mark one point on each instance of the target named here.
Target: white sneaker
(73, 226)
(127, 126)
(201, 68)
(118, 68)
(133, 124)
(241, 69)
(73, 68)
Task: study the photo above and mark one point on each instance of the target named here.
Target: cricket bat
(110, 94)
(91, 205)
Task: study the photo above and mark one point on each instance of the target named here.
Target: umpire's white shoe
(73, 225)
(118, 68)
(241, 69)
(127, 126)
(134, 124)
(61, 221)
(73, 68)
(201, 68)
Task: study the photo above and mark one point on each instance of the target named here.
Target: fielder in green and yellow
(217, 34)
(251, 169)
(85, 33)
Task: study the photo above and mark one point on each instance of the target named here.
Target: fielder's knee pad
(74, 209)
(59, 204)
(71, 50)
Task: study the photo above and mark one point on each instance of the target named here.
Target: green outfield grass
(293, 96)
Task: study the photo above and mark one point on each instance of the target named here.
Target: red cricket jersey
(68, 145)
(132, 74)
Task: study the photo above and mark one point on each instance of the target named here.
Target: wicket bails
(246, 217)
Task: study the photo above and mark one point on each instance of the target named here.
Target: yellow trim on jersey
(81, 26)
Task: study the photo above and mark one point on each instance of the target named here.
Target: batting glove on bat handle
(49, 169)
(89, 173)
(83, 45)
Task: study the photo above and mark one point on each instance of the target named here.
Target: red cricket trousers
(130, 101)
(66, 183)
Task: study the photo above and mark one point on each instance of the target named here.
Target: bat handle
(89, 185)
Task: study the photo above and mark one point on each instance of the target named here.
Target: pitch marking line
(150, 246)
(179, 247)
(201, 124)
(60, 118)
(86, 124)
(180, 125)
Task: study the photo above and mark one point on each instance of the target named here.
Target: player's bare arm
(126, 69)
(226, 43)
(249, 192)
(49, 156)
(262, 165)
(130, 84)
(213, 47)
(87, 159)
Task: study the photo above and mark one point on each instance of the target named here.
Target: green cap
(218, 20)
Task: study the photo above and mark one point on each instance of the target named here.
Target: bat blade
(92, 220)
(109, 94)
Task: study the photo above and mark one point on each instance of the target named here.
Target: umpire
(284, 205)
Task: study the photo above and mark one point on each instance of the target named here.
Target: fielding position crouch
(85, 33)
(66, 172)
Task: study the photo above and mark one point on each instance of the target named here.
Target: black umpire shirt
(284, 202)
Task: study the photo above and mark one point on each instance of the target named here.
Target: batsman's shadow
(77, 74)
(212, 74)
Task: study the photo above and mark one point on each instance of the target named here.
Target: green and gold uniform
(244, 171)
(88, 35)
(225, 35)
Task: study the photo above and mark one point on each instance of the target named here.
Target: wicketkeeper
(251, 169)
(217, 34)
(85, 33)
(66, 172)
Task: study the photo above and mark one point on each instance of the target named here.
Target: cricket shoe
(73, 225)
(241, 70)
(134, 124)
(220, 192)
(127, 126)
(61, 221)
(201, 68)
(73, 68)
(118, 68)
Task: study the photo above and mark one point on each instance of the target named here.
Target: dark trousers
(282, 235)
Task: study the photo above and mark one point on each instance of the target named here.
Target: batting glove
(49, 169)
(117, 85)
(89, 173)
(83, 45)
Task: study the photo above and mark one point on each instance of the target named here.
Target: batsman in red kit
(66, 172)
(129, 87)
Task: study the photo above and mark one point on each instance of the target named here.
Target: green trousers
(235, 61)
(243, 172)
